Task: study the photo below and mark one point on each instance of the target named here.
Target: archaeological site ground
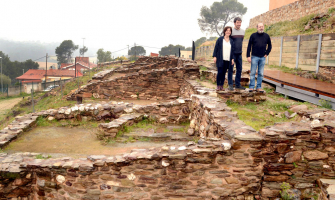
(158, 129)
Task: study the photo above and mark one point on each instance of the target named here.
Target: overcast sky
(111, 24)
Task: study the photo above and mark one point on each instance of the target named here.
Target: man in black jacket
(257, 44)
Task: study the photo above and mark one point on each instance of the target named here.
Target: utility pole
(135, 51)
(83, 48)
(23, 71)
(46, 71)
(128, 52)
(75, 67)
(1, 76)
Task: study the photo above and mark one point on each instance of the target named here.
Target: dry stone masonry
(161, 80)
(293, 11)
(227, 159)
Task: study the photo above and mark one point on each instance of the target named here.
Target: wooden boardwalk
(311, 85)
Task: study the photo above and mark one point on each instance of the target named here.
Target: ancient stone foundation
(228, 160)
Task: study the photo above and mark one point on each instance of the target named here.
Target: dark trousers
(238, 64)
(222, 73)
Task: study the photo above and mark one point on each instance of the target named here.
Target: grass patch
(325, 104)
(291, 28)
(144, 139)
(51, 102)
(262, 114)
(40, 156)
(202, 68)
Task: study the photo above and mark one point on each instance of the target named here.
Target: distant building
(83, 63)
(279, 3)
(186, 54)
(154, 54)
(34, 78)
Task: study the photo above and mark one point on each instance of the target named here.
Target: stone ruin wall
(112, 63)
(234, 162)
(292, 11)
(231, 161)
(155, 81)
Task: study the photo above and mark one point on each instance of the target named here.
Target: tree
(199, 41)
(121, 58)
(188, 49)
(5, 80)
(212, 39)
(83, 50)
(171, 50)
(215, 18)
(139, 51)
(104, 56)
(15, 69)
(64, 51)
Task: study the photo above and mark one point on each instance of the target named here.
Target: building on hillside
(273, 4)
(186, 54)
(154, 54)
(34, 78)
(83, 63)
(51, 65)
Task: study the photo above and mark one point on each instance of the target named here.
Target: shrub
(325, 104)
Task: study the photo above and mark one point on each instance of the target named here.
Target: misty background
(25, 50)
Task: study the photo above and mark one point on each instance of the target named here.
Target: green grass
(40, 156)
(258, 115)
(144, 139)
(285, 69)
(325, 104)
(202, 68)
(291, 28)
(50, 102)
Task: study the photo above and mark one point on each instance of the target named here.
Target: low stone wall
(292, 11)
(155, 84)
(230, 160)
(191, 87)
(174, 112)
(112, 63)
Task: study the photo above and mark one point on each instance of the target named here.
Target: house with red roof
(154, 54)
(83, 64)
(34, 78)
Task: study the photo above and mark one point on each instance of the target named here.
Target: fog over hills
(22, 51)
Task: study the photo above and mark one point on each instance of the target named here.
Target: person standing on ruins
(257, 44)
(223, 56)
(237, 36)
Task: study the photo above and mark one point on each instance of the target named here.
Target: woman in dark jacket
(223, 56)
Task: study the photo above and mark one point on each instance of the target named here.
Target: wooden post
(319, 53)
(281, 50)
(298, 48)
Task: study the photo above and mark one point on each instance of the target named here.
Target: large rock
(298, 108)
(293, 156)
(315, 155)
(266, 192)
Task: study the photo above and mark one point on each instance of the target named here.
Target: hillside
(308, 25)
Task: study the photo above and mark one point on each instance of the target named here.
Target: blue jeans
(260, 62)
(238, 63)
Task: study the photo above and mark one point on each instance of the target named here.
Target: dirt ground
(6, 105)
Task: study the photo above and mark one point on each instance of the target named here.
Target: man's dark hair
(237, 19)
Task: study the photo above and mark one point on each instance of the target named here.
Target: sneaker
(231, 88)
(240, 87)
